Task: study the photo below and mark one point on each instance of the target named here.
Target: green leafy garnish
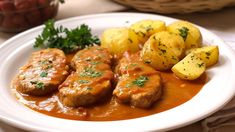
(200, 65)
(90, 72)
(39, 85)
(183, 32)
(83, 81)
(65, 39)
(43, 74)
(140, 81)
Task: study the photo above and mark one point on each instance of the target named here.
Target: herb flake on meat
(43, 74)
(90, 72)
(140, 81)
(39, 85)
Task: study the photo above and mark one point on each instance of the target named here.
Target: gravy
(175, 93)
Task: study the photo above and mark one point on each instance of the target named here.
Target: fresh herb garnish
(83, 81)
(200, 65)
(39, 85)
(208, 53)
(43, 74)
(183, 32)
(140, 81)
(89, 88)
(90, 72)
(64, 38)
(95, 62)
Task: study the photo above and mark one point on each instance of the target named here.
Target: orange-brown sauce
(175, 93)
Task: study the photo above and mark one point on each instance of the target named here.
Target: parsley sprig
(64, 38)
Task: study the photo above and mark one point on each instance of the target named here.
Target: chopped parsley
(130, 40)
(64, 38)
(148, 28)
(183, 32)
(83, 81)
(147, 62)
(90, 72)
(163, 51)
(200, 65)
(38, 85)
(43, 74)
(95, 62)
(89, 88)
(208, 53)
(140, 81)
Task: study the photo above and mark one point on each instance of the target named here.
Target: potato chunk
(163, 50)
(120, 40)
(209, 54)
(145, 28)
(190, 68)
(190, 33)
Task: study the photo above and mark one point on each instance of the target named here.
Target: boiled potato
(145, 28)
(190, 33)
(163, 50)
(119, 40)
(190, 68)
(210, 54)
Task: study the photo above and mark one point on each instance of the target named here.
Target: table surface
(220, 22)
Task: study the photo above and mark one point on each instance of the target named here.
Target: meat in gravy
(138, 84)
(44, 72)
(92, 79)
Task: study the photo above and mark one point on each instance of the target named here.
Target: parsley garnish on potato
(184, 32)
(68, 40)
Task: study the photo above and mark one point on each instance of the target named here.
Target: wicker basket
(177, 6)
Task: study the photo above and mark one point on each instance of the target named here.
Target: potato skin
(163, 50)
(120, 40)
(145, 28)
(209, 54)
(190, 68)
(190, 33)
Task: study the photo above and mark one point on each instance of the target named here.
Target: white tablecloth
(220, 22)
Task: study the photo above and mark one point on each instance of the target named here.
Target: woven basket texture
(177, 6)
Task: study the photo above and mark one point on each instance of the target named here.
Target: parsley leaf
(83, 81)
(43, 74)
(64, 38)
(90, 72)
(183, 32)
(140, 81)
(39, 85)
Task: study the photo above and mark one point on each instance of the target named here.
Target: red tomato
(6, 6)
(34, 18)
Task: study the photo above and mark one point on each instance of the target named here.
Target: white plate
(216, 93)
